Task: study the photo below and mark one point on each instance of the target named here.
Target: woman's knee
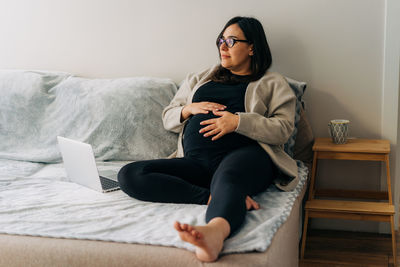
(228, 175)
(226, 181)
(244, 166)
(131, 177)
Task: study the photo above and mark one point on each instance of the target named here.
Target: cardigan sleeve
(171, 115)
(275, 123)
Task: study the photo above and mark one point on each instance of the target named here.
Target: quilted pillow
(298, 89)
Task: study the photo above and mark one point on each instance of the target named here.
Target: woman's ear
(251, 51)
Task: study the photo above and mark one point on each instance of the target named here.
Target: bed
(48, 221)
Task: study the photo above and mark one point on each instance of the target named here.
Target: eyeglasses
(230, 42)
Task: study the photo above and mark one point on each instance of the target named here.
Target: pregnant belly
(192, 139)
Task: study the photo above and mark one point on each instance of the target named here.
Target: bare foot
(209, 240)
(251, 204)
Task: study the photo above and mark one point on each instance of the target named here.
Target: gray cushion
(304, 140)
(298, 89)
(120, 118)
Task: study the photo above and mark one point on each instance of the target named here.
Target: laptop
(80, 165)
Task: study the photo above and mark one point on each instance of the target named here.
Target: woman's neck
(241, 73)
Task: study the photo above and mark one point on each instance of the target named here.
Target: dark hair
(260, 61)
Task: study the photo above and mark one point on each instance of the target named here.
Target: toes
(189, 229)
(177, 226)
(194, 233)
(198, 235)
(255, 205)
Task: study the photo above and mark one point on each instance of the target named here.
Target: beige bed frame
(42, 251)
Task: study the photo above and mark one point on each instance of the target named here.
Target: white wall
(336, 46)
(391, 86)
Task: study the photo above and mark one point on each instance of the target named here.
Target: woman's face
(237, 59)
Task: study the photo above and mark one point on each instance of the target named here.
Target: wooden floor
(338, 248)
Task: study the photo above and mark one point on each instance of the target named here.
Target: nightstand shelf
(376, 210)
(344, 209)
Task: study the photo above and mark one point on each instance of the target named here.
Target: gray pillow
(23, 104)
(304, 141)
(120, 118)
(298, 89)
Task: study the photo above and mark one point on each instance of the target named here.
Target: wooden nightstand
(354, 149)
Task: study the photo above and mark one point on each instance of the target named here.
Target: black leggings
(230, 177)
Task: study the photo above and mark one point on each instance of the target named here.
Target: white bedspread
(36, 199)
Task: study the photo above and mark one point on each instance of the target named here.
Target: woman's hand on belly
(200, 108)
(226, 123)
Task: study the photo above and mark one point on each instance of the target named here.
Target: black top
(230, 95)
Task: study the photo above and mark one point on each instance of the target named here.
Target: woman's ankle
(222, 225)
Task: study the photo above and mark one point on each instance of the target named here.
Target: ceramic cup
(339, 130)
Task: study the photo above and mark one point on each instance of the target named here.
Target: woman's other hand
(200, 108)
(226, 123)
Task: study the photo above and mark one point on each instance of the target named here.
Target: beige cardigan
(269, 118)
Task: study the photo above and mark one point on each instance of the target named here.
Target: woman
(233, 120)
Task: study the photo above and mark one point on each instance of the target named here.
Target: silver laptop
(80, 165)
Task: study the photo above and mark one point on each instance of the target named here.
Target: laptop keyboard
(108, 183)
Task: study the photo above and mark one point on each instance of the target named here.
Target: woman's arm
(277, 123)
(171, 115)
